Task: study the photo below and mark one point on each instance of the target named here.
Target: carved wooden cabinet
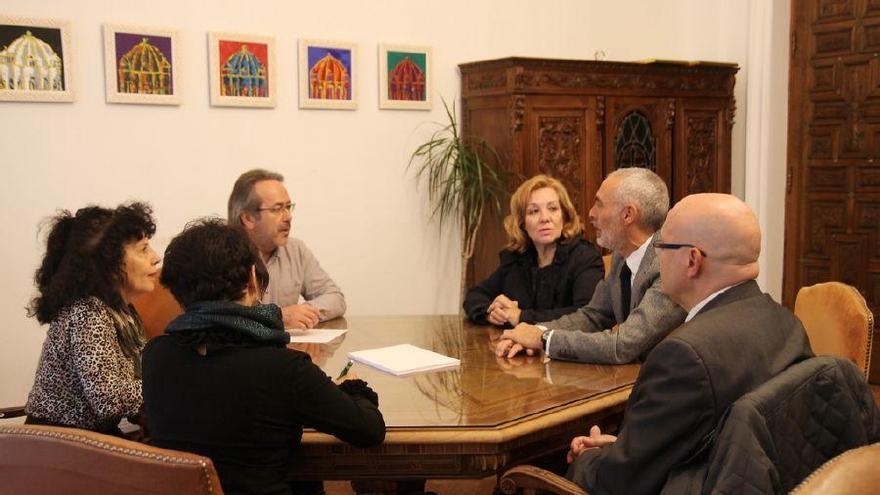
(579, 120)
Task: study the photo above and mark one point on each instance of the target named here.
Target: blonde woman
(547, 269)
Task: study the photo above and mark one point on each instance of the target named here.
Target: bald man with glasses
(261, 206)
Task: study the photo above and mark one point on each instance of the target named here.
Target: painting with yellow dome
(242, 68)
(328, 74)
(404, 77)
(34, 60)
(141, 65)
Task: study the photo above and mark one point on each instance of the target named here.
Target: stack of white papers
(404, 359)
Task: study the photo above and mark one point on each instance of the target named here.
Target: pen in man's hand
(344, 371)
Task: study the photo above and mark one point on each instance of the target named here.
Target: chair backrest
(47, 460)
(838, 322)
(853, 472)
(607, 260)
(157, 308)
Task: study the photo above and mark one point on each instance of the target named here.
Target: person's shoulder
(509, 256)
(581, 248)
(86, 307)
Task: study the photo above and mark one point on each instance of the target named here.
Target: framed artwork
(34, 60)
(328, 74)
(141, 65)
(242, 70)
(405, 77)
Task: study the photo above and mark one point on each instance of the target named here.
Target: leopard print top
(84, 379)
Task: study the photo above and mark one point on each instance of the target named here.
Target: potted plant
(461, 183)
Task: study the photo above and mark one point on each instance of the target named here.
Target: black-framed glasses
(277, 209)
(671, 245)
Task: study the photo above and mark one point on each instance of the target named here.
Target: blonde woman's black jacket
(543, 294)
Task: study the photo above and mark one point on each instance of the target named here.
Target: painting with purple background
(126, 41)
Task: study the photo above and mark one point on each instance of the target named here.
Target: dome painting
(243, 69)
(144, 64)
(329, 73)
(31, 59)
(406, 76)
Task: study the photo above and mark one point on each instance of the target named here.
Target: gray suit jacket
(586, 334)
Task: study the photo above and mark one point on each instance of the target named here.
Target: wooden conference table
(472, 422)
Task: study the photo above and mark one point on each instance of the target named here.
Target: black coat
(245, 407)
(543, 294)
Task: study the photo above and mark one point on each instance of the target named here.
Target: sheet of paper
(314, 335)
(404, 359)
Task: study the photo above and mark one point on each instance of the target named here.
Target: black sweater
(245, 407)
(543, 294)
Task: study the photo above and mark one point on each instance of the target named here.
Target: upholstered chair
(44, 460)
(838, 322)
(854, 472)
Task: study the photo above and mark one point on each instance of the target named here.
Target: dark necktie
(625, 289)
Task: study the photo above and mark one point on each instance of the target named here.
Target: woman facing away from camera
(547, 269)
(222, 383)
(96, 262)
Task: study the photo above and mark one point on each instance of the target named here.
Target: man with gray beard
(629, 210)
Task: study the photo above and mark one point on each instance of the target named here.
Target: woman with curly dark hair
(96, 262)
(221, 381)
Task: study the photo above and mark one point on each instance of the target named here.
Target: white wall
(356, 206)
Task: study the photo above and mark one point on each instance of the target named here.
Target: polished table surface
(469, 422)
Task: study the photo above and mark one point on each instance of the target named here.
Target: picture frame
(48, 42)
(126, 50)
(328, 74)
(405, 74)
(242, 70)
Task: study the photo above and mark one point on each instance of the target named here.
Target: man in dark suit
(630, 207)
(734, 339)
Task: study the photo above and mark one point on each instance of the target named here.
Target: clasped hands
(523, 337)
(503, 310)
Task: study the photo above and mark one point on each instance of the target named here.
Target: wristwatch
(544, 336)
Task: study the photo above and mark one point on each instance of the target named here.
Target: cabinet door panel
(639, 133)
(562, 142)
(702, 149)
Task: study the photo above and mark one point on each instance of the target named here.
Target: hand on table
(595, 440)
(523, 337)
(503, 310)
(348, 376)
(300, 316)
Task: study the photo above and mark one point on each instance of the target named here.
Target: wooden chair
(44, 460)
(607, 260)
(853, 472)
(838, 322)
(531, 479)
(157, 309)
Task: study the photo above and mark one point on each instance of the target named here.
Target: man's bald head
(726, 230)
(721, 224)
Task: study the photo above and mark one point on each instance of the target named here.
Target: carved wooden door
(639, 134)
(833, 187)
(562, 142)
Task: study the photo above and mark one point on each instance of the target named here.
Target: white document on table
(404, 359)
(314, 335)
